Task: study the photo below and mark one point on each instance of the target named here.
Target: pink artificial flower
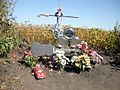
(95, 56)
(83, 46)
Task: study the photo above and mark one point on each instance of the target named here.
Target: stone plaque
(41, 49)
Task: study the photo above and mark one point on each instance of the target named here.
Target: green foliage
(117, 34)
(6, 9)
(7, 44)
(113, 40)
(8, 37)
(110, 41)
(30, 61)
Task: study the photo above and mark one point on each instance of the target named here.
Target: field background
(96, 38)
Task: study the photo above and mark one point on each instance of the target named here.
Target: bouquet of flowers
(29, 59)
(60, 59)
(95, 57)
(83, 62)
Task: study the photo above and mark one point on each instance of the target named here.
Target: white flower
(63, 62)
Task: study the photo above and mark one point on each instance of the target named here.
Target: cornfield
(36, 34)
(96, 38)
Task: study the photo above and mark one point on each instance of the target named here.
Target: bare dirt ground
(15, 76)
